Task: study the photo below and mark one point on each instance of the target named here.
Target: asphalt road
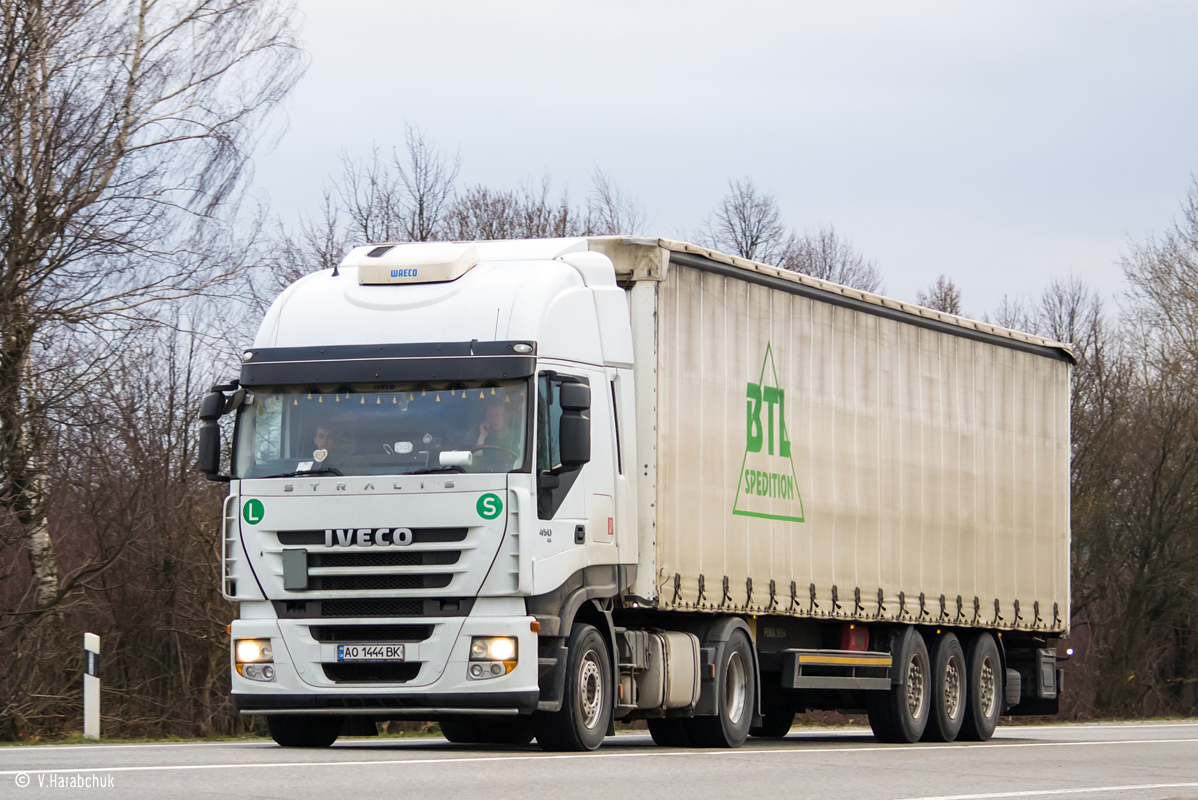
(1139, 761)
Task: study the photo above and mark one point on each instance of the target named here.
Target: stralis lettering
(368, 537)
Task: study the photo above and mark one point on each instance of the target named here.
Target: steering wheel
(502, 450)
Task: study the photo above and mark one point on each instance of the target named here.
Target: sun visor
(419, 262)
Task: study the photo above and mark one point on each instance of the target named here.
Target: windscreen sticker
(489, 506)
(766, 485)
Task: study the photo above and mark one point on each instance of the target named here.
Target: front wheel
(586, 709)
(487, 730)
(304, 730)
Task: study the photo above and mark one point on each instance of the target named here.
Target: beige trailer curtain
(811, 445)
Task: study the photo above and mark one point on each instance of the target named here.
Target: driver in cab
(498, 435)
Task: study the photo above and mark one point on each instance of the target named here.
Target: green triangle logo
(766, 485)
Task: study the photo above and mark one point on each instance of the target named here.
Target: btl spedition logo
(766, 485)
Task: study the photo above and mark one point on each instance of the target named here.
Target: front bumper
(408, 704)
(440, 687)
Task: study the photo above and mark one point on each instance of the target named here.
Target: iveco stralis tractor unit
(532, 488)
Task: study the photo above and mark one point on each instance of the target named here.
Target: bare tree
(401, 199)
(1070, 312)
(124, 126)
(747, 223)
(1163, 273)
(827, 256)
(1012, 312)
(320, 242)
(609, 210)
(943, 295)
(526, 213)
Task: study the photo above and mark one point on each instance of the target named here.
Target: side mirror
(575, 430)
(209, 450)
(212, 407)
(575, 396)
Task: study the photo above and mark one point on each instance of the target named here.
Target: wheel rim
(915, 687)
(736, 689)
(590, 689)
(987, 686)
(952, 688)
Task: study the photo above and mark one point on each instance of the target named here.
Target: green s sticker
(489, 506)
(253, 511)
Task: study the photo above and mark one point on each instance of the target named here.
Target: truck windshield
(382, 429)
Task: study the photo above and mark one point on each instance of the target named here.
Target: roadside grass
(76, 738)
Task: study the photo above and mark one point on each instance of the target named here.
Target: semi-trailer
(532, 488)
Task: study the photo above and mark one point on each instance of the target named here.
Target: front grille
(419, 536)
(386, 607)
(326, 634)
(372, 673)
(345, 583)
(385, 559)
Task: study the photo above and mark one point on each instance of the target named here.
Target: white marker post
(91, 686)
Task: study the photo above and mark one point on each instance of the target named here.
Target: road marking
(802, 732)
(22, 748)
(1083, 726)
(982, 746)
(1047, 792)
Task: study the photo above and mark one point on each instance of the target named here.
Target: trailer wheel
(669, 732)
(586, 709)
(984, 690)
(487, 730)
(901, 714)
(304, 730)
(948, 689)
(736, 691)
(775, 723)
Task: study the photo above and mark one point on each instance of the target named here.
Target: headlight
(500, 651)
(493, 648)
(251, 651)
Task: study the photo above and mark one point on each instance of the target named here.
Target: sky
(1001, 144)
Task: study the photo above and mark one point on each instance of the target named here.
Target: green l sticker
(489, 506)
(253, 511)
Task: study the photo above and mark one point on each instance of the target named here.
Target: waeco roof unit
(420, 262)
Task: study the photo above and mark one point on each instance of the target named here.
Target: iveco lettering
(528, 489)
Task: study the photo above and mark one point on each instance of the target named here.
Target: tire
(304, 730)
(669, 732)
(487, 730)
(901, 714)
(460, 730)
(586, 710)
(949, 679)
(984, 689)
(736, 693)
(775, 723)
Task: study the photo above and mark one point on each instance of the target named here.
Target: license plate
(370, 652)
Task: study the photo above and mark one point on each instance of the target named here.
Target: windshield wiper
(431, 470)
(320, 471)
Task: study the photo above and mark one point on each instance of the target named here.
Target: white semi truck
(530, 488)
